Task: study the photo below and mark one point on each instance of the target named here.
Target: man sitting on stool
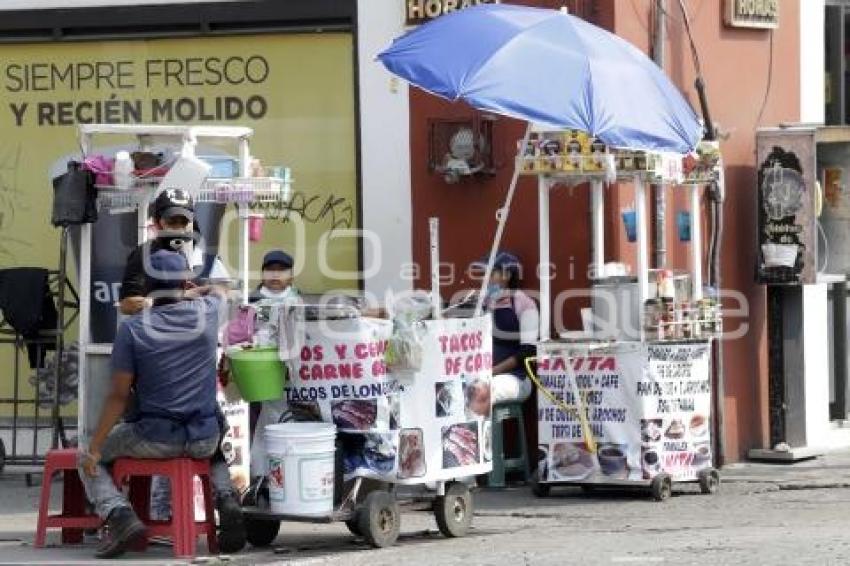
(167, 354)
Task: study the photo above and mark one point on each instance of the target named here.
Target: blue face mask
(493, 290)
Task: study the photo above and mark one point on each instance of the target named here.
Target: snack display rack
(633, 408)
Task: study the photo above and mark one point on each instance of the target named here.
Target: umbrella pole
(502, 216)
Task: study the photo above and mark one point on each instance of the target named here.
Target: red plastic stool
(74, 519)
(182, 528)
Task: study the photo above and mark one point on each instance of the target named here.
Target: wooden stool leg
(73, 505)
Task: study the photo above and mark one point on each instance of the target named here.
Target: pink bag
(240, 328)
(102, 167)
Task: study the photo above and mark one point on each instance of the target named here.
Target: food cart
(627, 401)
(599, 393)
(421, 421)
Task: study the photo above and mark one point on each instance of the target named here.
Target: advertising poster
(296, 91)
(405, 427)
(647, 407)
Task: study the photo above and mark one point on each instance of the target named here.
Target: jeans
(123, 442)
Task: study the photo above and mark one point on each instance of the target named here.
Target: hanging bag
(240, 329)
(74, 197)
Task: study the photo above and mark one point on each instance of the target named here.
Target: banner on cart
(647, 407)
(410, 428)
(235, 445)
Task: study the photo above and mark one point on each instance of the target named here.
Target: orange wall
(734, 64)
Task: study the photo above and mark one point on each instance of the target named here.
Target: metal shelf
(242, 190)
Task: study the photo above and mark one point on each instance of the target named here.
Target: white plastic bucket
(301, 467)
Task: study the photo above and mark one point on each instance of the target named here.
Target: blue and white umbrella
(550, 68)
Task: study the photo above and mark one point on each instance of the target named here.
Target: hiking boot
(231, 536)
(124, 531)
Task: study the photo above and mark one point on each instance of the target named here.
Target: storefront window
(837, 45)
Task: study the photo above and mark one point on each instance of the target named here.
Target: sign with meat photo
(646, 406)
(446, 405)
(405, 427)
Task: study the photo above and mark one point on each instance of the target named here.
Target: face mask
(493, 290)
(269, 294)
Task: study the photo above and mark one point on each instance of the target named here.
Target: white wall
(385, 150)
(812, 61)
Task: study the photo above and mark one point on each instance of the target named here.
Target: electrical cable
(769, 81)
(694, 53)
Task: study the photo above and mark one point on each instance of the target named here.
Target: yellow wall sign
(420, 11)
(295, 91)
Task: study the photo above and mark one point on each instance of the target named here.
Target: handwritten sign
(648, 408)
(428, 425)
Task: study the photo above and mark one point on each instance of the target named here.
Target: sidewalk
(504, 519)
(830, 470)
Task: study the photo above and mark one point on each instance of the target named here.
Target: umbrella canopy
(550, 68)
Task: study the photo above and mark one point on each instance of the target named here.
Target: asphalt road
(748, 522)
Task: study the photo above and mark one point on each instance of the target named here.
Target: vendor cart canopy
(550, 68)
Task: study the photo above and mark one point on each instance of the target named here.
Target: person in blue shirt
(165, 359)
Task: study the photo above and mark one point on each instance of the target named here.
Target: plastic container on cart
(301, 468)
(258, 373)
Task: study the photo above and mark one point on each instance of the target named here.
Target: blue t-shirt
(171, 351)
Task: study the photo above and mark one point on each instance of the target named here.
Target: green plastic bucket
(258, 373)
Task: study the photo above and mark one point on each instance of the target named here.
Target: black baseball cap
(174, 202)
(279, 257)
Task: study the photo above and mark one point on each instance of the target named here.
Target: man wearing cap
(167, 354)
(173, 214)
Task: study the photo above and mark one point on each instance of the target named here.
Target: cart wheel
(709, 481)
(538, 488)
(454, 510)
(379, 519)
(261, 532)
(2, 455)
(353, 526)
(662, 487)
(588, 489)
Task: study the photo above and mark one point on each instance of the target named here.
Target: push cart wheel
(261, 532)
(454, 510)
(709, 481)
(354, 526)
(538, 488)
(662, 487)
(379, 519)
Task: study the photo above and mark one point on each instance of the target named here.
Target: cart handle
(589, 441)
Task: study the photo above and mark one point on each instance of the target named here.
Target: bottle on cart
(123, 171)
